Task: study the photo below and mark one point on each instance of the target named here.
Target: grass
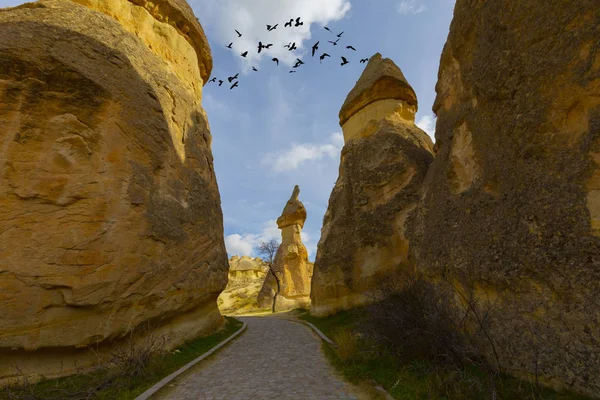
(110, 384)
(415, 379)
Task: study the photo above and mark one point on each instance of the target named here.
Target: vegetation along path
(273, 359)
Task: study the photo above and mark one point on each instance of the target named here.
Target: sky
(279, 129)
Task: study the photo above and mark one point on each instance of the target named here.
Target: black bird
(220, 82)
(288, 45)
(344, 61)
(340, 34)
(260, 47)
(292, 72)
(231, 78)
(213, 80)
(291, 46)
(289, 23)
(298, 23)
(364, 60)
(244, 54)
(334, 43)
(351, 48)
(276, 60)
(298, 63)
(229, 45)
(323, 57)
(238, 33)
(327, 29)
(268, 46)
(272, 28)
(234, 85)
(254, 69)
(315, 48)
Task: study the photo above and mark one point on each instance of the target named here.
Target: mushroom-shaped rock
(383, 164)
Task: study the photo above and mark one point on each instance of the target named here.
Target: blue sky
(278, 129)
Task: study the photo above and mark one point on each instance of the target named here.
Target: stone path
(273, 359)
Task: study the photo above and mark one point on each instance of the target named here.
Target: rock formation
(246, 278)
(382, 167)
(110, 214)
(246, 268)
(294, 271)
(511, 204)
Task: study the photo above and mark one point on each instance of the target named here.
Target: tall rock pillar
(110, 216)
(511, 206)
(291, 264)
(382, 167)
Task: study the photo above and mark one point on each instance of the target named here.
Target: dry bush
(347, 344)
(415, 321)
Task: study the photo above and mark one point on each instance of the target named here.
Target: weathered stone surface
(511, 204)
(383, 164)
(110, 214)
(291, 264)
(246, 278)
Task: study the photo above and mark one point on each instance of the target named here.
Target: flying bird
(268, 46)
(340, 34)
(260, 47)
(344, 61)
(231, 78)
(220, 82)
(244, 54)
(289, 23)
(315, 48)
(292, 72)
(238, 33)
(234, 85)
(351, 48)
(364, 60)
(254, 69)
(291, 46)
(229, 45)
(323, 57)
(271, 28)
(298, 23)
(298, 63)
(213, 80)
(276, 60)
(334, 43)
(327, 29)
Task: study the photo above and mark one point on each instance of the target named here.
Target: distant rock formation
(246, 268)
(511, 204)
(291, 264)
(110, 216)
(246, 278)
(382, 167)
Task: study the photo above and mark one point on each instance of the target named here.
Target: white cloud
(244, 245)
(252, 17)
(427, 123)
(288, 160)
(410, 7)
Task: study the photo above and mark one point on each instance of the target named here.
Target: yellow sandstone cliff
(382, 167)
(511, 206)
(110, 215)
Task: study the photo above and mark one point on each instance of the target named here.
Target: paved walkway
(273, 359)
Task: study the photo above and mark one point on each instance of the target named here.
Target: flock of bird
(292, 23)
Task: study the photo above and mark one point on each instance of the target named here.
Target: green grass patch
(120, 382)
(417, 379)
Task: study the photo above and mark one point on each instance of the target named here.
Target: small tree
(267, 251)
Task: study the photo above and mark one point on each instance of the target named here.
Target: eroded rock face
(383, 164)
(291, 262)
(511, 204)
(246, 268)
(110, 214)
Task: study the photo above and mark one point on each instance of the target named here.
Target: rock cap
(293, 212)
(381, 80)
(180, 15)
